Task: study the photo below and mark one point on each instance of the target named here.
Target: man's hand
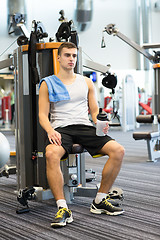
(106, 128)
(54, 137)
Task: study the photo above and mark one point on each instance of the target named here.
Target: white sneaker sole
(101, 211)
(68, 220)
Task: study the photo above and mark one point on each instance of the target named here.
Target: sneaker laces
(61, 211)
(114, 202)
(105, 201)
(109, 198)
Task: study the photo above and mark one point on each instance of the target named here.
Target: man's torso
(75, 110)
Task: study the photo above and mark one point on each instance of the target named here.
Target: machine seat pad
(145, 135)
(145, 118)
(77, 148)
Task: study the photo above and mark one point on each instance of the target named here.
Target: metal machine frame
(31, 162)
(153, 140)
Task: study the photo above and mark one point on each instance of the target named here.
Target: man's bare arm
(92, 101)
(93, 105)
(44, 106)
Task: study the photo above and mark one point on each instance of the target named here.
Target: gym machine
(152, 138)
(31, 63)
(31, 167)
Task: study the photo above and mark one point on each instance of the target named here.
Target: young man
(67, 98)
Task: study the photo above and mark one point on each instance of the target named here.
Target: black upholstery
(145, 118)
(77, 148)
(145, 135)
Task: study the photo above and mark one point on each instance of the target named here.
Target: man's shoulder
(80, 76)
(88, 82)
(49, 78)
(46, 80)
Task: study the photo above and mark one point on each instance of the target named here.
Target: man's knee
(53, 154)
(113, 150)
(117, 154)
(120, 151)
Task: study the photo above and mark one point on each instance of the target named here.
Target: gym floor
(139, 180)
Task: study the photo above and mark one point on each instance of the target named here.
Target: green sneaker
(62, 217)
(105, 206)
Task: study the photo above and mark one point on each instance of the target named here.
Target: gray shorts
(83, 135)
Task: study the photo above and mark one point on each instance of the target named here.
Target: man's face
(68, 58)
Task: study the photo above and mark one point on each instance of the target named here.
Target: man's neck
(66, 77)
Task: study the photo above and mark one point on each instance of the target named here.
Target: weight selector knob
(74, 179)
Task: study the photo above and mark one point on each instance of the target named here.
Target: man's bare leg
(54, 153)
(113, 165)
(54, 173)
(102, 204)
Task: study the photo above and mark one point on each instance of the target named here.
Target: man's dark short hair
(66, 45)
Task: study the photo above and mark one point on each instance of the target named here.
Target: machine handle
(111, 29)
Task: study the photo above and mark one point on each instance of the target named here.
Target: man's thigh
(110, 147)
(66, 139)
(90, 141)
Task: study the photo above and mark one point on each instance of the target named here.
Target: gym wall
(122, 13)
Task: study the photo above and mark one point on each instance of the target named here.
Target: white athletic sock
(99, 197)
(61, 203)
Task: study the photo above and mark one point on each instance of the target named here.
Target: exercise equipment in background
(4, 150)
(153, 138)
(145, 108)
(66, 31)
(110, 81)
